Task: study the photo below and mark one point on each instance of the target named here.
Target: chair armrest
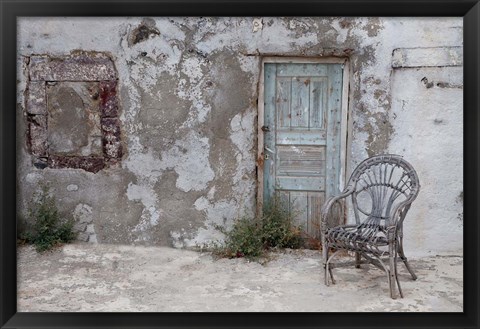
(397, 218)
(397, 212)
(327, 206)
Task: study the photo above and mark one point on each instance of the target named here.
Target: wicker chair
(382, 189)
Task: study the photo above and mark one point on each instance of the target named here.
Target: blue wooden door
(302, 117)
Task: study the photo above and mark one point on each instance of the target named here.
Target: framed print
(239, 164)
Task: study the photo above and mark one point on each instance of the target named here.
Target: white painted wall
(429, 134)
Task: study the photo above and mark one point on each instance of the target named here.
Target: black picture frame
(10, 10)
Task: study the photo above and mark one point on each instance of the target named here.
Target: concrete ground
(111, 278)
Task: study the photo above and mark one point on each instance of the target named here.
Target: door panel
(284, 89)
(299, 103)
(318, 99)
(302, 70)
(299, 202)
(302, 137)
(306, 208)
(315, 203)
(300, 183)
(302, 142)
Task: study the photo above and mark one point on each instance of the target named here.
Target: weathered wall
(186, 97)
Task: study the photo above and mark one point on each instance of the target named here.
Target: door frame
(344, 126)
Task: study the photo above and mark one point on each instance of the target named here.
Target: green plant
(278, 230)
(46, 229)
(243, 240)
(250, 238)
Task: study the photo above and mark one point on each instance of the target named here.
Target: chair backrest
(380, 184)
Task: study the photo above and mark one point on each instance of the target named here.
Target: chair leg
(404, 259)
(325, 260)
(396, 276)
(358, 258)
(326, 272)
(331, 275)
(388, 272)
(328, 268)
(392, 275)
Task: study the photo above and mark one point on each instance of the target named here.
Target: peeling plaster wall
(188, 90)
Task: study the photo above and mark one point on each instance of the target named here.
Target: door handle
(269, 150)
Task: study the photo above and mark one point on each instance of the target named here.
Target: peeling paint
(144, 31)
(189, 159)
(257, 24)
(187, 90)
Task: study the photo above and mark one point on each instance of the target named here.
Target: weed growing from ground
(243, 240)
(252, 237)
(45, 229)
(278, 230)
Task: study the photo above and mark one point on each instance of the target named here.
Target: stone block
(36, 98)
(82, 66)
(93, 238)
(82, 236)
(83, 213)
(111, 125)
(37, 135)
(40, 163)
(90, 229)
(112, 146)
(80, 227)
(91, 164)
(108, 99)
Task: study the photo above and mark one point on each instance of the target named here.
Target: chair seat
(358, 238)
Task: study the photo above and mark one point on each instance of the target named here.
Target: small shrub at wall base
(278, 230)
(252, 237)
(243, 240)
(45, 229)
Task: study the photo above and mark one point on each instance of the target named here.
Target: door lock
(266, 154)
